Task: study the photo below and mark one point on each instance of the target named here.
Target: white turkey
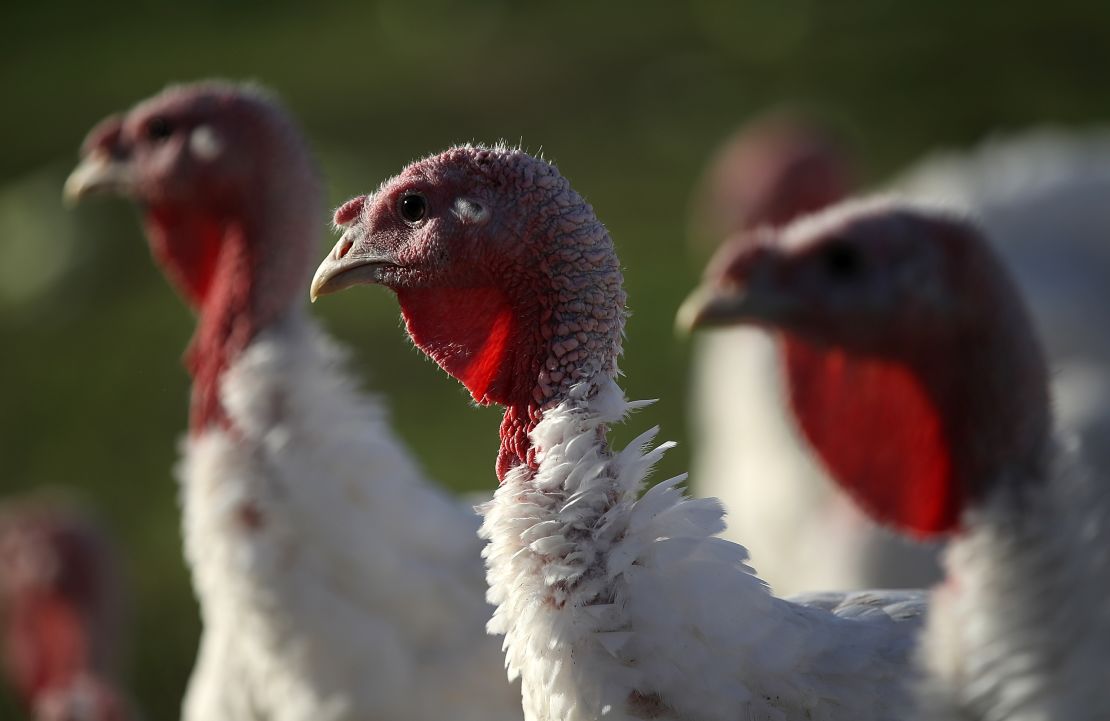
(1039, 197)
(919, 379)
(335, 582)
(612, 605)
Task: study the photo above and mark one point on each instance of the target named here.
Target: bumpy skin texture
(536, 317)
(60, 610)
(335, 582)
(1022, 622)
(612, 605)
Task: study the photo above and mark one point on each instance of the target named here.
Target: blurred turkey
(335, 582)
(915, 371)
(802, 532)
(614, 604)
(60, 612)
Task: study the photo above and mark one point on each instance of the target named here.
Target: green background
(628, 99)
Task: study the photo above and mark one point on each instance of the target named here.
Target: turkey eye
(158, 129)
(413, 207)
(842, 260)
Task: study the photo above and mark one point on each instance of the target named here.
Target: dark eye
(158, 129)
(413, 207)
(842, 260)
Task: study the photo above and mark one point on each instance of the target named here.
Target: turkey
(611, 604)
(334, 581)
(1037, 194)
(920, 381)
(802, 532)
(60, 612)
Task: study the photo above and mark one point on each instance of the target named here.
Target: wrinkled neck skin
(581, 342)
(1021, 627)
(242, 272)
(544, 329)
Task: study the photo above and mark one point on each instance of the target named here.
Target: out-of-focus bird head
(200, 159)
(776, 168)
(912, 364)
(864, 276)
(60, 610)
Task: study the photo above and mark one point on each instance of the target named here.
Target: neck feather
(1021, 620)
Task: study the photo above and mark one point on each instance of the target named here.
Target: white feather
(636, 610)
(334, 581)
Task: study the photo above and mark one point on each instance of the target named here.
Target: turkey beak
(98, 173)
(748, 296)
(344, 268)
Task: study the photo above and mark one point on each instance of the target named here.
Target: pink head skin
(230, 198)
(505, 277)
(771, 171)
(911, 361)
(59, 605)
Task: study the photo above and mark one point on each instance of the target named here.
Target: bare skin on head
(911, 362)
(484, 290)
(772, 170)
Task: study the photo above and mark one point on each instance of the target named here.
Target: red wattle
(187, 245)
(879, 433)
(468, 332)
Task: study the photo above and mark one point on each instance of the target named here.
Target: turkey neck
(1022, 618)
(578, 324)
(250, 276)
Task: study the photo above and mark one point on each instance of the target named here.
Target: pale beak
(343, 269)
(97, 173)
(752, 304)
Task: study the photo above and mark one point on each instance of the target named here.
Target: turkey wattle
(334, 581)
(921, 383)
(802, 531)
(612, 604)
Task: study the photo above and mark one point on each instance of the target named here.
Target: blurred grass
(628, 99)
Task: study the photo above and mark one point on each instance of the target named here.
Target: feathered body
(334, 581)
(1020, 630)
(611, 605)
(632, 607)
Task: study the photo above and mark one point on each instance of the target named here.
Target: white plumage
(1021, 629)
(635, 609)
(1041, 197)
(335, 582)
